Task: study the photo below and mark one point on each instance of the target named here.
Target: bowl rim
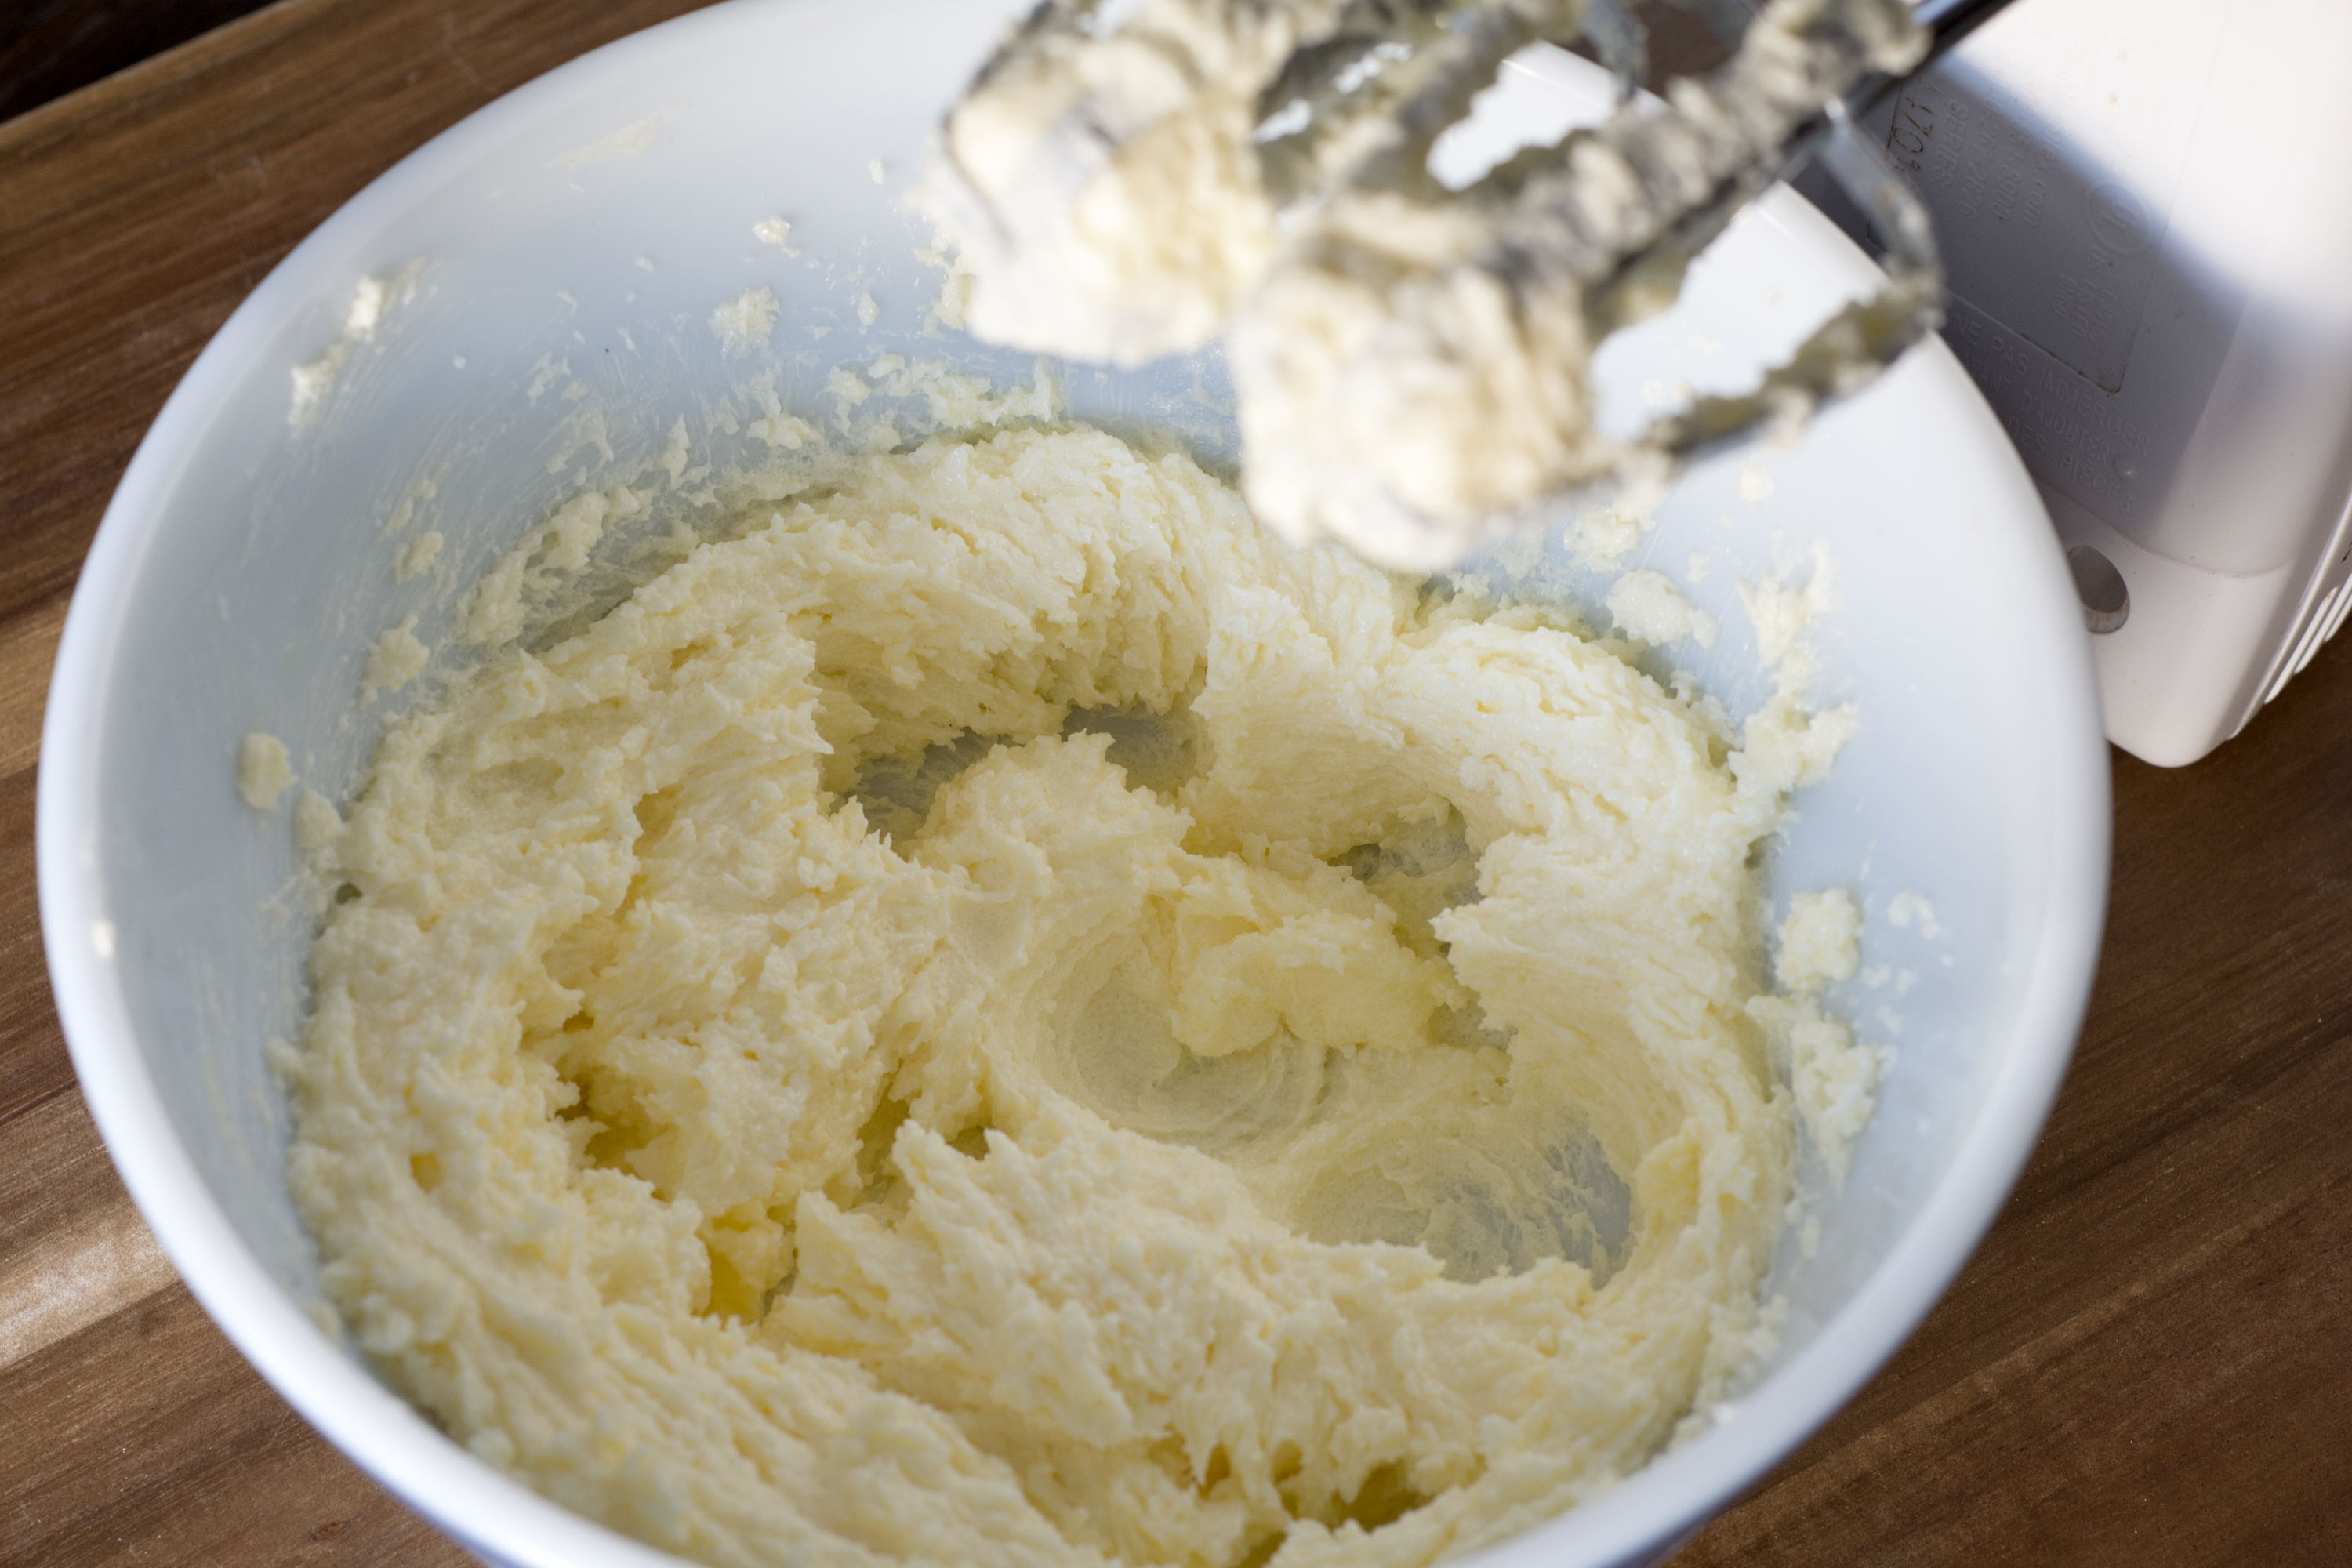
(496, 1514)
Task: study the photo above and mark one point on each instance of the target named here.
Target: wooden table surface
(2138, 1367)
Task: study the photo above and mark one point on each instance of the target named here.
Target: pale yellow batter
(1008, 1018)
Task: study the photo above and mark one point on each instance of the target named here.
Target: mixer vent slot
(2326, 618)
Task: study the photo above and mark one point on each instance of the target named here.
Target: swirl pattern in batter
(1008, 1016)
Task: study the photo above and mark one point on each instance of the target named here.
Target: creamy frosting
(1005, 1015)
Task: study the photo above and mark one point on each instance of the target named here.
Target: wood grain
(2143, 1364)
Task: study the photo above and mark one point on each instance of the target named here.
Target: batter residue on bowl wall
(1007, 1016)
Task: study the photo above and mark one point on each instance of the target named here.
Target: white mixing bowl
(579, 235)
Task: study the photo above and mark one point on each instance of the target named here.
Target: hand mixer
(1129, 178)
(2148, 234)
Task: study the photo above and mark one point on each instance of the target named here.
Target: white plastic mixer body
(2148, 239)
